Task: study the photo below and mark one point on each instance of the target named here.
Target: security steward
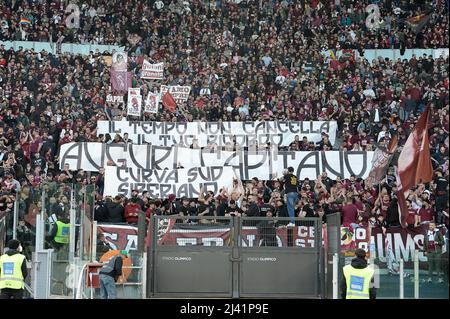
(59, 237)
(13, 271)
(358, 280)
(62, 232)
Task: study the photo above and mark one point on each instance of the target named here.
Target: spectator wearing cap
(13, 271)
(358, 281)
(281, 209)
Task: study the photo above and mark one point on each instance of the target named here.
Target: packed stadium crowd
(341, 23)
(243, 63)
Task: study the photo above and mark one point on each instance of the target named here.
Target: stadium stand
(244, 61)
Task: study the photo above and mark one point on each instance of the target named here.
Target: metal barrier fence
(283, 261)
(400, 279)
(33, 222)
(333, 270)
(191, 256)
(247, 257)
(395, 278)
(236, 257)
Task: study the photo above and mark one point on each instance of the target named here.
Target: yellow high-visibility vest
(11, 273)
(62, 233)
(358, 281)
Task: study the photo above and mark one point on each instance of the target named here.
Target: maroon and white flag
(120, 80)
(414, 163)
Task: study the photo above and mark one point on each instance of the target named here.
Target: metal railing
(240, 253)
(275, 232)
(134, 287)
(400, 279)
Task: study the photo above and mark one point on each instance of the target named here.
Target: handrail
(242, 217)
(80, 282)
(29, 289)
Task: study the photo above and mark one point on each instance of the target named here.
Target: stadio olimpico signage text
(264, 165)
(245, 134)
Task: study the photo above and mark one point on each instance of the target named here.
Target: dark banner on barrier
(395, 244)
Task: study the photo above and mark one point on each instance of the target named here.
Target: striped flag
(25, 21)
(414, 163)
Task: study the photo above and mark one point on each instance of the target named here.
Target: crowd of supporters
(244, 62)
(340, 23)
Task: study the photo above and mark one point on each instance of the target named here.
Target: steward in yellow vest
(60, 233)
(357, 282)
(13, 271)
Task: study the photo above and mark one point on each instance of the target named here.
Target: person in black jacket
(392, 218)
(102, 245)
(267, 230)
(115, 210)
(359, 263)
(281, 211)
(253, 208)
(100, 210)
